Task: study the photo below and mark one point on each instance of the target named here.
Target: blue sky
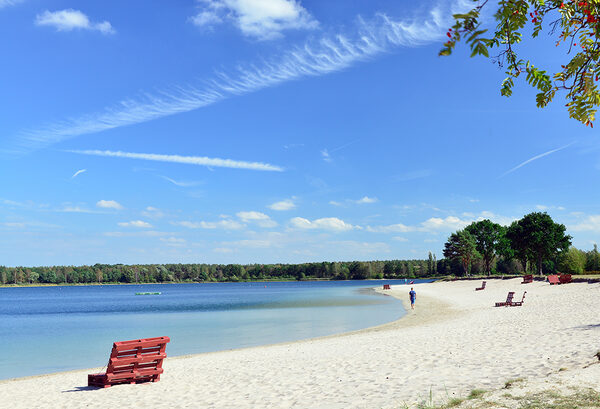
(263, 131)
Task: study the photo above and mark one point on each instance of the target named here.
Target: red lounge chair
(518, 303)
(565, 278)
(386, 287)
(553, 279)
(528, 278)
(509, 300)
(482, 287)
(135, 361)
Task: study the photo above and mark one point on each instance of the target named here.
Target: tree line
(534, 243)
(160, 273)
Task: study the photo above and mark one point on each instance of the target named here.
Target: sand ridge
(454, 341)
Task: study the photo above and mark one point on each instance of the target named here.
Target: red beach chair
(386, 287)
(139, 360)
(565, 278)
(528, 278)
(518, 303)
(553, 279)
(482, 287)
(509, 300)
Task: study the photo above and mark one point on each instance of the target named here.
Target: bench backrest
(510, 296)
(137, 355)
(565, 278)
(553, 279)
(528, 277)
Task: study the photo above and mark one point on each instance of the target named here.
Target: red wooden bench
(527, 278)
(386, 287)
(518, 303)
(565, 278)
(139, 360)
(509, 300)
(482, 287)
(553, 279)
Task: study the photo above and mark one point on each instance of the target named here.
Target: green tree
(593, 260)
(574, 27)
(488, 237)
(537, 237)
(573, 261)
(461, 245)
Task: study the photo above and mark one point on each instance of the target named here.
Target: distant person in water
(413, 297)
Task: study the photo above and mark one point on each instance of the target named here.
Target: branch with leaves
(572, 22)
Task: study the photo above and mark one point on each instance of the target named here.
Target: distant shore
(453, 342)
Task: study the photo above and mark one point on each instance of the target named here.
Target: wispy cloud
(189, 160)
(109, 204)
(136, 223)
(520, 165)
(180, 183)
(79, 172)
(69, 19)
(260, 19)
(325, 155)
(6, 3)
(227, 224)
(330, 53)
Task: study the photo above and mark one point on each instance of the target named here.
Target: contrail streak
(520, 165)
(189, 160)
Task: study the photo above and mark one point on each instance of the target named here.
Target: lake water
(51, 329)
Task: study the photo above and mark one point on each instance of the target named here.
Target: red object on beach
(528, 278)
(553, 279)
(509, 300)
(482, 287)
(135, 361)
(386, 287)
(412, 282)
(518, 303)
(565, 278)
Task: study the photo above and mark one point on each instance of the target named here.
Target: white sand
(453, 342)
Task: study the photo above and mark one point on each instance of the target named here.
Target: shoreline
(454, 341)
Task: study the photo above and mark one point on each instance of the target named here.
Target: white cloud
(189, 160)
(326, 223)
(330, 53)
(79, 172)
(392, 228)
(366, 199)
(150, 233)
(259, 218)
(283, 205)
(445, 224)
(222, 224)
(541, 207)
(334, 203)
(109, 204)
(152, 213)
(75, 209)
(590, 223)
(260, 19)
(69, 19)
(398, 238)
(136, 223)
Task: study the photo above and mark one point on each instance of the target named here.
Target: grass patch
(508, 384)
(581, 399)
(476, 393)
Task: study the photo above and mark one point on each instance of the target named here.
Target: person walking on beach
(413, 297)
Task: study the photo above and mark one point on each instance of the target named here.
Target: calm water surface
(50, 329)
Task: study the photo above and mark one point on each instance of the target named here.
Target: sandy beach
(453, 342)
